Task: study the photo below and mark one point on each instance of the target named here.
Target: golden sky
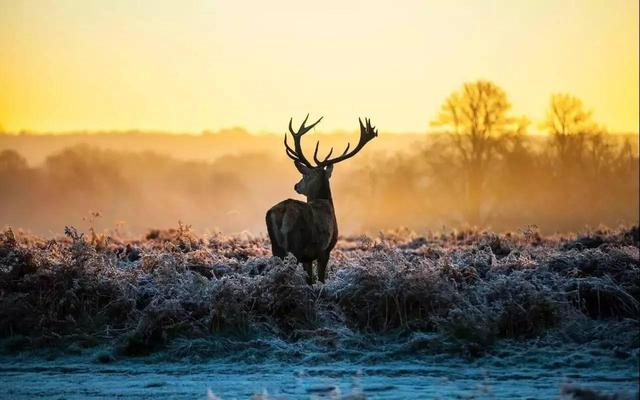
(193, 64)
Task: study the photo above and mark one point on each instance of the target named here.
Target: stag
(309, 230)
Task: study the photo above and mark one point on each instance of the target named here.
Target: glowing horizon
(205, 65)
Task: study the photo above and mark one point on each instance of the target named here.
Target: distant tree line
(485, 170)
(482, 168)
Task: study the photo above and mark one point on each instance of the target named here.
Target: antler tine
(303, 129)
(291, 127)
(302, 125)
(308, 128)
(296, 153)
(315, 154)
(347, 149)
(290, 152)
(367, 132)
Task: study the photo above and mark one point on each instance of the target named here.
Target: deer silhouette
(309, 230)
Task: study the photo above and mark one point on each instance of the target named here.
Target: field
(468, 314)
(482, 231)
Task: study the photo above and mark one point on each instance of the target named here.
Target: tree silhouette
(11, 161)
(566, 116)
(478, 119)
(571, 126)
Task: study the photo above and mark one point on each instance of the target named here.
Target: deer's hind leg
(308, 268)
(278, 251)
(323, 260)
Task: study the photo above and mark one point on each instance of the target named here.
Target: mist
(129, 183)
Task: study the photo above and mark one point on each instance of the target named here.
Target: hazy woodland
(227, 180)
(479, 166)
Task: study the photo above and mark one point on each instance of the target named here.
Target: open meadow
(464, 313)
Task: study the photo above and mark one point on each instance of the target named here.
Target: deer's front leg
(322, 266)
(308, 267)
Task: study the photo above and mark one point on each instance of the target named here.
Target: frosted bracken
(465, 295)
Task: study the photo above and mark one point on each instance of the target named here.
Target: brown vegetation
(470, 287)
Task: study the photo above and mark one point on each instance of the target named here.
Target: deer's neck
(322, 193)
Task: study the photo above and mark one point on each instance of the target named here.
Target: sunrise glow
(195, 65)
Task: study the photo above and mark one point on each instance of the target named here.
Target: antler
(367, 132)
(296, 154)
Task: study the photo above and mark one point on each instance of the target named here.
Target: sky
(194, 65)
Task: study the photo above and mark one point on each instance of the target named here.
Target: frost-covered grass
(211, 296)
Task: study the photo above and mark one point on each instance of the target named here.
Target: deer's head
(314, 181)
(315, 178)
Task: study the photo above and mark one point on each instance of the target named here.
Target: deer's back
(307, 230)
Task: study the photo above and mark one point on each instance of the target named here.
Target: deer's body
(309, 230)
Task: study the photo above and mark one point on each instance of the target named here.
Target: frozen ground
(459, 315)
(512, 373)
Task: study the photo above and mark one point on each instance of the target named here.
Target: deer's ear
(301, 167)
(328, 170)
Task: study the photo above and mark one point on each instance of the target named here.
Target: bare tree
(478, 117)
(570, 126)
(582, 151)
(566, 116)
(578, 141)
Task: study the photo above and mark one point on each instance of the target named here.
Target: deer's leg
(278, 251)
(322, 266)
(276, 248)
(308, 267)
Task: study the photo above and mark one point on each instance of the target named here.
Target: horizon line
(239, 130)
